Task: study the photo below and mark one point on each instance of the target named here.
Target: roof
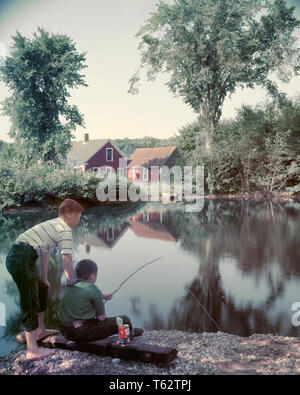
(151, 230)
(148, 157)
(82, 152)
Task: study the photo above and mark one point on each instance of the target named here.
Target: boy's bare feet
(38, 353)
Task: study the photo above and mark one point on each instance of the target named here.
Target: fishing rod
(132, 274)
(148, 263)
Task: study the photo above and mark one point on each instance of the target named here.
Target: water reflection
(248, 241)
(153, 225)
(236, 261)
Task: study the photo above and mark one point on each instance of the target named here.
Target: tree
(256, 151)
(210, 47)
(39, 73)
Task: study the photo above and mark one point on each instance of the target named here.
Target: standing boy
(82, 314)
(39, 241)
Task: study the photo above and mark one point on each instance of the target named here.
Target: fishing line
(148, 263)
(198, 301)
(132, 274)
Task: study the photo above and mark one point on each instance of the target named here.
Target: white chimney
(85, 138)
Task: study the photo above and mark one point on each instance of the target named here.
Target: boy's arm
(99, 306)
(102, 317)
(68, 267)
(44, 263)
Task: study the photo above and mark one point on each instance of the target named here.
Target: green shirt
(81, 301)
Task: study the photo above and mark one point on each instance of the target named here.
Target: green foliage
(128, 146)
(210, 47)
(257, 151)
(39, 73)
(44, 183)
(186, 139)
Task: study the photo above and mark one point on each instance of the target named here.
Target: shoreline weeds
(198, 354)
(255, 196)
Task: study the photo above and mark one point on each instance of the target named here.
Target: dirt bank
(198, 353)
(255, 196)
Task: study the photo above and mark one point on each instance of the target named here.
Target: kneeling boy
(82, 313)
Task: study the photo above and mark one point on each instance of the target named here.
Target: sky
(106, 29)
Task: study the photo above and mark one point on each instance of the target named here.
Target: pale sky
(106, 29)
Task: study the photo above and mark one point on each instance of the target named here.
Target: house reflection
(152, 225)
(106, 238)
(146, 224)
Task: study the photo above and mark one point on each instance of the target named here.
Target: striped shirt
(46, 236)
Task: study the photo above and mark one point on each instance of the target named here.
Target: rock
(198, 353)
(116, 360)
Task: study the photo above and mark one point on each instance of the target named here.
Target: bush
(44, 183)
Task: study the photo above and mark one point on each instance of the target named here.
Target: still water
(234, 266)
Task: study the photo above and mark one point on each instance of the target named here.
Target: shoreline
(255, 196)
(198, 354)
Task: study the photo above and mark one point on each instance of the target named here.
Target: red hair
(70, 206)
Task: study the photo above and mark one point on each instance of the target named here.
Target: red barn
(93, 154)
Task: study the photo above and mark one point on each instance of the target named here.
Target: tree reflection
(254, 235)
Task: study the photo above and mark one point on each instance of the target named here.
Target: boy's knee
(30, 321)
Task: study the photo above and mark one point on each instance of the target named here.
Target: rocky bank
(198, 354)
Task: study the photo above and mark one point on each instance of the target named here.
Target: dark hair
(85, 268)
(70, 206)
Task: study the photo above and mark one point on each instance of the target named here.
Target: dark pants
(21, 264)
(93, 330)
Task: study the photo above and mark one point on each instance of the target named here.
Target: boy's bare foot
(42, 333)
(38, 353)
(20, 337)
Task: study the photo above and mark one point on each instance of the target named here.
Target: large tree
(211, 47)
(39, 73)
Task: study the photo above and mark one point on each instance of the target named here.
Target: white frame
(133, 173)
(122, 171)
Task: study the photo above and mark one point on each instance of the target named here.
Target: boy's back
(81, 301)
(83, 317)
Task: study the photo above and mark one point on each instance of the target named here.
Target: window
(145, 174)
(122, 171)
(108, 169)
(110, 234)
(145, 216)
(109, 154)
(96, 169)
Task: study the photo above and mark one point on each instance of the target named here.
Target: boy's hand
(107, 296)
(68, 268)
(48, 284)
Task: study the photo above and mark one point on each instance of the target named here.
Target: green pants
(93, 329)
(21, 264)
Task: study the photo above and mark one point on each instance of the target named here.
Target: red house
(141, 161)
(93, 154)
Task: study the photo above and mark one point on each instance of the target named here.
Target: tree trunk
(204, 143)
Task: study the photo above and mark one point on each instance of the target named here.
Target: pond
(234, 266)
